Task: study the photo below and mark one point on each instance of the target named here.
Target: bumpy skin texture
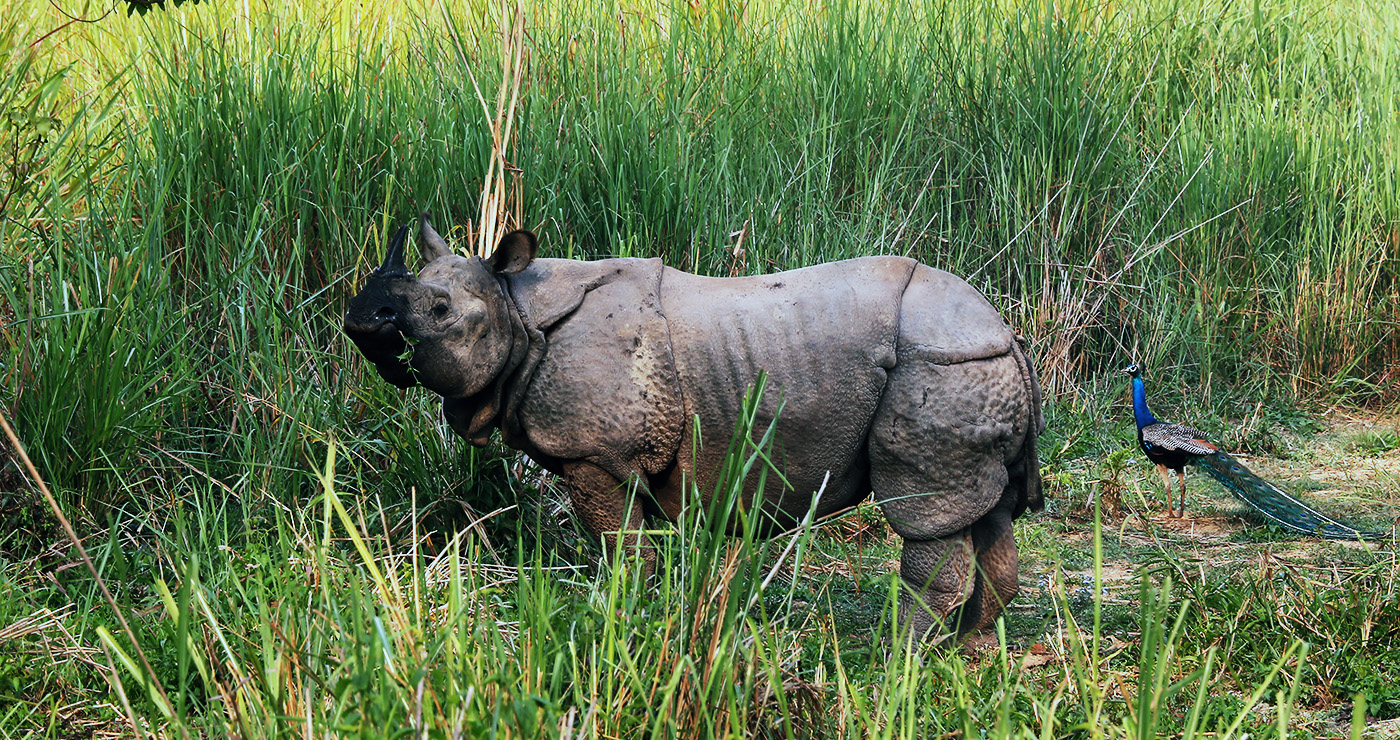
(895, 378)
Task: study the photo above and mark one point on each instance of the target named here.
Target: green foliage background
(193, 194)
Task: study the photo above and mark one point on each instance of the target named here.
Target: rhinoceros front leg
(609, 509)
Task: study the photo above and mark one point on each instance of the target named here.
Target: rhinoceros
(896, 378)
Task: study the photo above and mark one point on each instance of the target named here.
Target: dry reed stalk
(500, 201)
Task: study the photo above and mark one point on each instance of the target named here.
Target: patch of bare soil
(1206, 527)
(1364, 470)
(1385, 729)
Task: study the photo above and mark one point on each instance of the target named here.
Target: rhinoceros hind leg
(936, 577)
(609, 509)
(996, 576)
(960, 583)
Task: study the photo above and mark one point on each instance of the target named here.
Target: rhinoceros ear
(430, 243)
(515, 252)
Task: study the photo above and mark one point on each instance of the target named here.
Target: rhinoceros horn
(429, 241)
(393, 258)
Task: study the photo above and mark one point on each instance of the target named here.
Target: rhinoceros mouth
(382, 334)
(377, 327)
(383, 343)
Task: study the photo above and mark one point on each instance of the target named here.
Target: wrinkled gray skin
(896, 379)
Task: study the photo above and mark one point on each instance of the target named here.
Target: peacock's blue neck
(1141, 415)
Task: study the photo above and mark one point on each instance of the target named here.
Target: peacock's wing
(1176, 438)
(1275, 503)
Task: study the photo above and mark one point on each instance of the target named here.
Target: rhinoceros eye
(440, 310)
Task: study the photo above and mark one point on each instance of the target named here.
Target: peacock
(1172, 446)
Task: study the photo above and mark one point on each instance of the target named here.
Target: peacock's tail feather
(1274, 503)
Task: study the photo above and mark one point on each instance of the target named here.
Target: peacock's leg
(1181, 476)
(1167, 485)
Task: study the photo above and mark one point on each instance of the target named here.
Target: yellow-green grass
(1166, 180)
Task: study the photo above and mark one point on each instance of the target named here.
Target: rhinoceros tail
(1030, 495)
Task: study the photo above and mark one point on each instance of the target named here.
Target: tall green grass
(191, 196)
(1204, 187)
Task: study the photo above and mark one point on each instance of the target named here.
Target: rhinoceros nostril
(384, 314)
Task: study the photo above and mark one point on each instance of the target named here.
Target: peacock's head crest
(1133, 370)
